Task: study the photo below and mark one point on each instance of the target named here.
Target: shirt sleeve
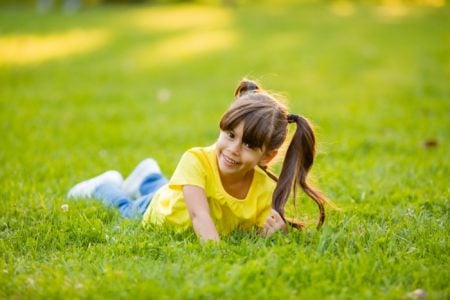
(189, 171)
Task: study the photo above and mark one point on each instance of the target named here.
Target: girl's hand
(274, 222)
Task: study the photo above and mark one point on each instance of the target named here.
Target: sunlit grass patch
(343, 8)
(193, 31)
(187, 46)
(181, 18)
(30, 49)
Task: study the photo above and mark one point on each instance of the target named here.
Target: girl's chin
(227, 169)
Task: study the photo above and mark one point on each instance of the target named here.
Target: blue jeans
(111, 195)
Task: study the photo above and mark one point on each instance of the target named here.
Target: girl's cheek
(250, 158)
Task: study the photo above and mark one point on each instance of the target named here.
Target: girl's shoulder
(200, 158)
(202, 150)
(201, 153)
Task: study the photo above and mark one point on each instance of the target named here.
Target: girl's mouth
(230, 161)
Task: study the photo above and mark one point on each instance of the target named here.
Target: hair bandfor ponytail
(292, 118)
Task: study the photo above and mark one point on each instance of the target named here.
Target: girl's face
(235, 157)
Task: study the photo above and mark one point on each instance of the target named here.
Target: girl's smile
(230, 162)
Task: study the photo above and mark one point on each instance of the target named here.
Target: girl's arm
(274, 222)
(198, 208)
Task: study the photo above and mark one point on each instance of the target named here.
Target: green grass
(375, 83)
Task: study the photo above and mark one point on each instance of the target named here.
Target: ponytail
(296, 165)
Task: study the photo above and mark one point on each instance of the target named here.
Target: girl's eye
(230, 134)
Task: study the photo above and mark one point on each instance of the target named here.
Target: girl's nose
(235, 147)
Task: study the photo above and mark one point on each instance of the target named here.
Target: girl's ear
(267, 157)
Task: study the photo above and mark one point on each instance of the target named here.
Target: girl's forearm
(205, 229)
(198, 207)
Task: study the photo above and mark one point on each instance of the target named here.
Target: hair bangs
(255, 133)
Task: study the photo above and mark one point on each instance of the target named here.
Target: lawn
(107, 87)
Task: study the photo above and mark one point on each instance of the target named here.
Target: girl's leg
(86, 189)
(132, 183)
(111, 195)
(152, 183)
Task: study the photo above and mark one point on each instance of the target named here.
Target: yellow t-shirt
(198, 166)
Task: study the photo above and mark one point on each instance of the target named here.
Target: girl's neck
(237, 185)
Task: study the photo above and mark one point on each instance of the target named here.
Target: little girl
(225, 186)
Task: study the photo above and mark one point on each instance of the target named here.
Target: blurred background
(87, 86)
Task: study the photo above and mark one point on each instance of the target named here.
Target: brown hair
(265, 125)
